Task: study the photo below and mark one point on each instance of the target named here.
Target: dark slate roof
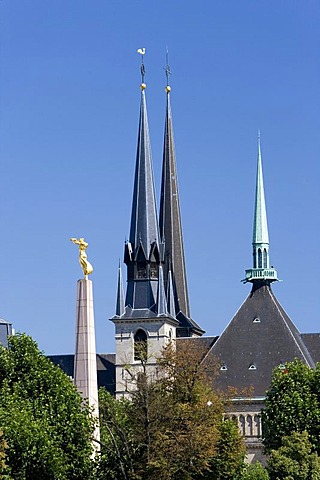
(312, 342)
(170, 220)
(144, 218)
(259, 337)
(187, 326)
(206, 342)
(105, 368)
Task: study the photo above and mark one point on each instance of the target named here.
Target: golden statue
(85, 265)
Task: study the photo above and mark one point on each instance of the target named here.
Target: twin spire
(154, 253)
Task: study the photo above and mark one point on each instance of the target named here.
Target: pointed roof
(260, 337)
(144, 220)
(170, 296)
(261, 263)
(161, 297)
(260, 225)
(170, 219)
(120, 295)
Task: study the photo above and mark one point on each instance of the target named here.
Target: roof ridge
(305, 354)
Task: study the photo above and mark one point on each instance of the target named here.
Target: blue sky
(69, 104)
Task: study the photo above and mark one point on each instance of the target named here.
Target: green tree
(294, 460)
(255, 471)
(228, 461)
(47, 427)
(118, 449)
(292, 405)
(171, 429)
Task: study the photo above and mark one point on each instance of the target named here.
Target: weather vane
(167, 67)
(87, 268)
(142, 52)
(168, 71)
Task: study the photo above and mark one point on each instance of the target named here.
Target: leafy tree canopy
(172, 428)
(255, 471)
(292, 405)
(294, 460)
(47, 428)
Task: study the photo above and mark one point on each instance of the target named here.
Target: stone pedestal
(85, 360)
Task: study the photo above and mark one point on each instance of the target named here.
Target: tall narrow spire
(260, 226)
(261, 270)
(120, 295)
(170, 218)
(142, 251)
(162, 308)
(144, 226)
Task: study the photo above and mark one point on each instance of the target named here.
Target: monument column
(85, 360)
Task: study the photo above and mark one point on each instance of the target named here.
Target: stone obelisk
(85, 360)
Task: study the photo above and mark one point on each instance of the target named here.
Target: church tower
(143, 323)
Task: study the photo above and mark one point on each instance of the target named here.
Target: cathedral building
(155, 307)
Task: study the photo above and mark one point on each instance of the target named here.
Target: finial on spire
(168, 71)
(142, 52)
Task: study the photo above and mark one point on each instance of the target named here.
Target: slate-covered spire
(120, 295)
(261, 270)
(162, 308)
(142, 251)
(144, 220)
(170, 219)
(170, 296)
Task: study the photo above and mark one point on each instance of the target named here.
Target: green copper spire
(260, 226)
(261, 270)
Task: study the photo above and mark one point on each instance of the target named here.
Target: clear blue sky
(69, 104)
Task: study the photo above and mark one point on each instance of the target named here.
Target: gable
(260, 337)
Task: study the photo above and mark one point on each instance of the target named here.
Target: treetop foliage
(292, 405)
(172, 428)
(46, 425)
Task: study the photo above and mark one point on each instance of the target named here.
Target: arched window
(242, 423)
(140, 345)
(249, 425)
(265, 258)
(257, 425)
(259, 258)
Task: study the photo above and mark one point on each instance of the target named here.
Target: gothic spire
(261, 271)
(170, 296)
(144, 226)
(142, 251)
(120, 309)
(161, 297)
(170, 219)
